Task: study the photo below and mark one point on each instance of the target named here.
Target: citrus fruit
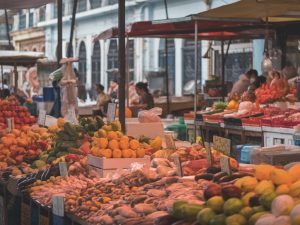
(236, 219)
(216, 203)
(266, 199)
(218, 220)
(205, 215)
(232, 206)
(247, 212)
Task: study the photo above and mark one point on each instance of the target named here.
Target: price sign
(209, 154)
(222, 145)
(177, 162)
(42, 117)
(10, 124)
(170, 143)
(63, 169)
(111, 112)
(58, 205)
(225, 164)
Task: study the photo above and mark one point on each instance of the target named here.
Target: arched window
(82, 62)
(112, 61)
(96, 63)
(81, 5)
(131, 59)
(171, 62)
(189, 61)
(95, 3)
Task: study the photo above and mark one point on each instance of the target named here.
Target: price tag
(177, 162)
(222, 145)
(42, 117)
(10, 124)
(225, 164)
(63, 169)
(209, 154)
(58, 205)
(111, 112)
(170, 143)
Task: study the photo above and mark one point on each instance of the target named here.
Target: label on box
(111, 112)
(177, 162)
(222, 145)
(170, 143)
(63, 169)
(10, 124)
(225, 164)
(58, 205)
(209, 154)
(42, 117)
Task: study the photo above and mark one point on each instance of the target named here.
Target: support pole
(196, 80)
(2, 78)
(223, 70)
(127, 71)
(59, 31)
(7, 31)
(16, 78)
(167, 63)
(122, 64)
(69, 53)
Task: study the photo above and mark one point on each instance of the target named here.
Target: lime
(247, 212)
(266, 199)
(232, 206)
(205, 215)
(216, 203)
(218, 220)
(257, 209)
(236, 219)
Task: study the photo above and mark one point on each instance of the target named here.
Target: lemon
(232, 206)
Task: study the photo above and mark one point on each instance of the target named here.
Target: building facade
(98, 61)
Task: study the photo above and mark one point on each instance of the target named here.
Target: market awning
(275, 10)
(19, 58)
(22, 4)
(208, 29)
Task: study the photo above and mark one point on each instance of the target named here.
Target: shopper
(113, 90)
(102, 100)
(146, 99)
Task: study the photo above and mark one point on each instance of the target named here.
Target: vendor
(242, 84)
(102, 100)
(146, 99)
(113, 90)
(279, 82)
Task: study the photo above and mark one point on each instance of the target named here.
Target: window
(112, 61)
(82, 62)
(22, 21)
(189, 61)
(42, 14)
(171, 62)
(112, 2)
(55, 10)
(96, 66)
(131, 59)
(30, 20)
(95, 3)
(81, 5)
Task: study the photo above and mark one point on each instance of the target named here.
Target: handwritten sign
(225, 164)
(209, 154)
(111, 112)
(222, 145)
(42, 117)
(10, 124)
(177, 162)
(170, 143)
(63, 169)
(58, 205)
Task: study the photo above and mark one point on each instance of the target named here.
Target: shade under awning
(275, 10)
(19, 58)
(22, 4)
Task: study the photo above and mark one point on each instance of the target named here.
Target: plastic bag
(150, 116)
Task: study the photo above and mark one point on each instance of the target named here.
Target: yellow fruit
(264, 186)
(113, 144)
(112, 135)
(282, 189)
(239, 183)
(262, 172)
(119, 133)
(156, 143)
(53, 128)
(116, 125)
(103, 142)
(117, 153)
(126, 153)
(140, 153)
(94, 151)
(60, 122)
(249, 184)
(133, 154)
(295, 189)
(124, 144)
(101, 152)
(102, 133)
(107, 153)
(294, 172)
(134, 144)
(246, 197)
(233, 105)
(280, 176)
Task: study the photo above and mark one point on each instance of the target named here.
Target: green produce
(220, 105)
(232, 206)
(247, 212)
(190, 211)
(216, 203)
(255, 217)
(218, 220)
(266, 199)
(236, 219)
(205, 215)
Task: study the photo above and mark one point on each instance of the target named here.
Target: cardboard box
(119, 163)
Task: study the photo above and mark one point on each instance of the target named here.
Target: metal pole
(122, 64)
(59, 31)
(167, 63)
(7, 31)
(127, 71)
(223, 69)
(2, 74)
(69, 54)
(196, 80)
(16, 78)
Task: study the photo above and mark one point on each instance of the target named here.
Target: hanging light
(267, 64)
